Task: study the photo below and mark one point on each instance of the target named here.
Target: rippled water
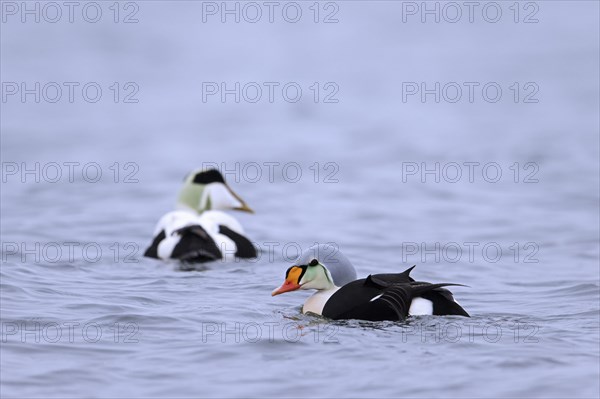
(100, 320)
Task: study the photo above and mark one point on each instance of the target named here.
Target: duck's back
(388, 297)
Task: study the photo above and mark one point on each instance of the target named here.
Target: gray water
(84, 314)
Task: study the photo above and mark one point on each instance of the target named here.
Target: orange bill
(291, 282)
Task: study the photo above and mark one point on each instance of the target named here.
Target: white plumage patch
(316, 302)
(376, 298)
(420, 306)
(209, 220)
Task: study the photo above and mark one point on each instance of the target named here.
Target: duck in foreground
(198, 231)
(375, 298)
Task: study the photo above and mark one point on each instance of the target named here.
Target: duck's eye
(313, 262)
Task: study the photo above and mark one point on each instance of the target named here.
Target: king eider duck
(198, 231)
(375, 298)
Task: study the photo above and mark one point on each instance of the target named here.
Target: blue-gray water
(76, 322)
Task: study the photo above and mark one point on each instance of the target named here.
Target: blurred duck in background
(198, 230)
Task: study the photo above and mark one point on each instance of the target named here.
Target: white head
(207, 190)
(321, 267)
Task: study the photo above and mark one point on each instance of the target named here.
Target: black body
(196, 246)
(355, 300)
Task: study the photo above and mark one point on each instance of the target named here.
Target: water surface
(78, 322)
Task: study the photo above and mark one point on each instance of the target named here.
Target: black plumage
(209, 176)
(388, 297)
(195, 245)
(152, 250)
(244, 246)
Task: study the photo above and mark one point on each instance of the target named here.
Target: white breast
(316, 302)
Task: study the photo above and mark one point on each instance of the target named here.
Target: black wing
(245, 249)
(444, 303)
(387, 297)
(353, 300)
(195, 245)
(394, 278)
(152, 251)
(441, 298)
